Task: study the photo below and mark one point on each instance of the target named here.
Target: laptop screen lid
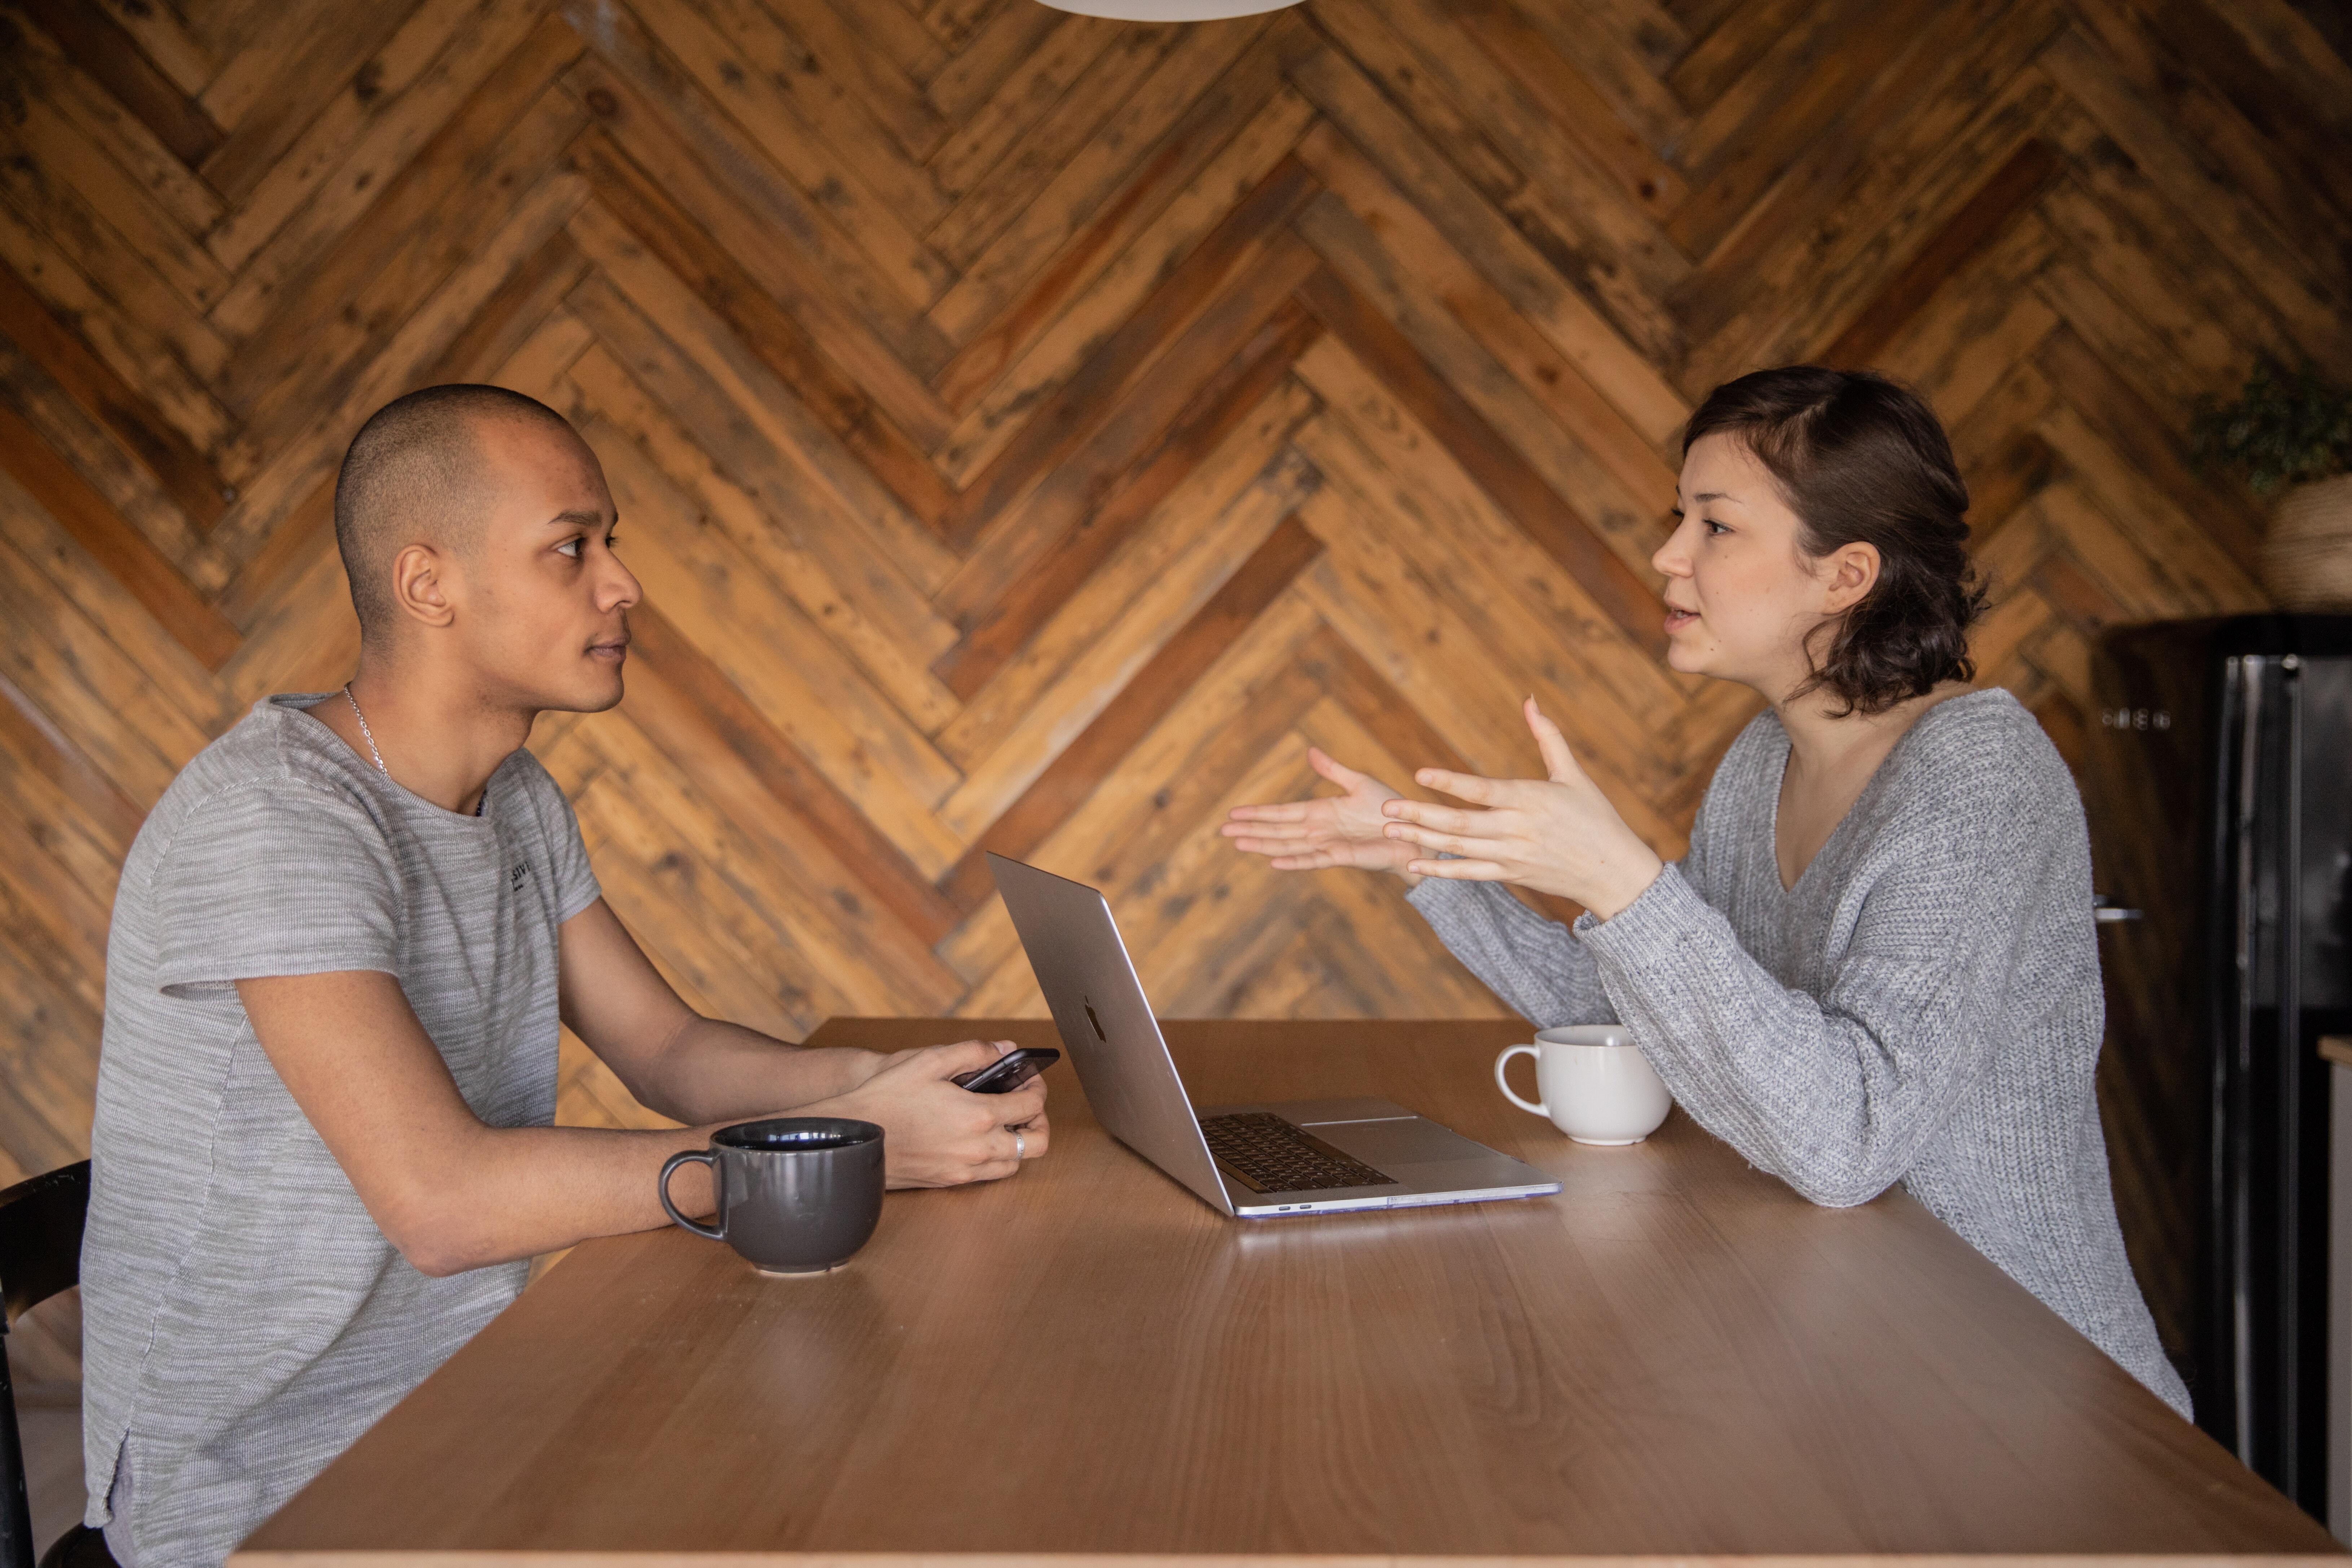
(1105, 1023)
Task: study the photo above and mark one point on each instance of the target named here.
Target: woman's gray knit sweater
(1923, 1007)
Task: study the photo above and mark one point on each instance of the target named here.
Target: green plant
(2287, 427)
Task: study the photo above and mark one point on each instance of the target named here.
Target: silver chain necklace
(367, 734)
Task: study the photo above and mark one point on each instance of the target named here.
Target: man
(340, 947)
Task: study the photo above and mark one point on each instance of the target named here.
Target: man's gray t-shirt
(243, 1320)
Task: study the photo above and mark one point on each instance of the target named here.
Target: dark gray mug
(797, 1195)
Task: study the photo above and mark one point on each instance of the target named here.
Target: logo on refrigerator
(2135, 719)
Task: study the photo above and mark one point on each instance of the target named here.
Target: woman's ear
(1847, 574)
(416, 585)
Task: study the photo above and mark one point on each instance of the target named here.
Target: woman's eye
(1713, 527)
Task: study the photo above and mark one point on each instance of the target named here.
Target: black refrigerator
(2218, 782)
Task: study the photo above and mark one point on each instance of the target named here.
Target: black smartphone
(1009, 1071)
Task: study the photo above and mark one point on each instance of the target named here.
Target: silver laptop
(1304, 1156)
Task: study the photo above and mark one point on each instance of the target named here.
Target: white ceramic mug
(1594, 1085)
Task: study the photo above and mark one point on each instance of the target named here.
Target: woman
(1876, 963)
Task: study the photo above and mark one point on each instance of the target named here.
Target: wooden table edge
(1234, 1559)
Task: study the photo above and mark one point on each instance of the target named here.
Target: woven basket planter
(2307, 555)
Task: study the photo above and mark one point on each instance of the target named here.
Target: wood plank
(1520, 272)
(834, 47)
(1007, 761)
(269, 90)
(859, 153)
(1074, 775)
(45, 68)
(2309, 298)
(1631, 525)
(142, 570)
(1131, 427)
(729, 609)
(2227, 105)
(1810, 290)
(821, 260)
(2116, 411)
(43, 144)
(180, 469)
(98, 44)
(998, 390)
(1077, 406)
(983, 210)
(705, 698)
(1781, 126)
(1098, 203)
(1161, 559)
(1488, 457)
(837, 400)
(1064, 48)
(752, 458)
(342, 160)
(1213, 411)
(1953, 66)
(884, 652)
(787, 273)
(306, 331)
(1623, 426)
(1962, 238)
(1570, 100)
(1578, 219)
(301, 463)
(842, 485)
(764, 94)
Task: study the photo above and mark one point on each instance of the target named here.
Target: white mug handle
(1503, 1083)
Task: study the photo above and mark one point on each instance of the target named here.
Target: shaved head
(419, 473)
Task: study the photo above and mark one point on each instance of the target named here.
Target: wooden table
(1675, 1356)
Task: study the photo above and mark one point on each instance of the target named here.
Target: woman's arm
(1533, 964)
(1835, 1094)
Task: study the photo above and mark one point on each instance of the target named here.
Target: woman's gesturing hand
(1329, 830)
(1558, 834)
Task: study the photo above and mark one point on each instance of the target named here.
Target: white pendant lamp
(1168, 10)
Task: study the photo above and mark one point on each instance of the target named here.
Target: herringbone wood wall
(1032, 431)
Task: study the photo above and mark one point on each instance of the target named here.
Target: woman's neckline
(1870, 786)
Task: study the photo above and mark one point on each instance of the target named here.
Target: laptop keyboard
(1267, 1154)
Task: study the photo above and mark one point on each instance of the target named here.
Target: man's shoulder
(268, 760)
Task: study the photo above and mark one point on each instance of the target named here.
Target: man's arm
(706, 1070)
(676, 1062)
(452, 1192)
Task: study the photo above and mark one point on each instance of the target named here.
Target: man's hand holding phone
(937, 1133)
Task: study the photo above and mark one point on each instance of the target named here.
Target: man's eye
(570, 547)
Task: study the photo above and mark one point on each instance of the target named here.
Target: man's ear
(416, 585)
(1847, 574)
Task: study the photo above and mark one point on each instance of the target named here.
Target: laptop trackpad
(1413, 1141)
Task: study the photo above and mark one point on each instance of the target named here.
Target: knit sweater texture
(1923, 1006)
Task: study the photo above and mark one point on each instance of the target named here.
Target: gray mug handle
(672, 1164)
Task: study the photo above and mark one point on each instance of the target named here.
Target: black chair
(40, 1254)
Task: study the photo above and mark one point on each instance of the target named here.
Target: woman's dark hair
(1861, 460)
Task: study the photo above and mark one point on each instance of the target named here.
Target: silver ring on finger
(1019, 1144)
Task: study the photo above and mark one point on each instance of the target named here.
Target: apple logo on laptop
(1096, 1022)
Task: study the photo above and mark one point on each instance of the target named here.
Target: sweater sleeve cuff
(1652, 927)
(1434, 896)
